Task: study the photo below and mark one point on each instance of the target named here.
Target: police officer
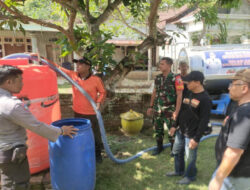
(165, 102)
(14, 119)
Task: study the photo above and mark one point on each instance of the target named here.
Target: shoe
(172, 174)
(185, 181)
(157, 151)
(98, 159)
(171, 154)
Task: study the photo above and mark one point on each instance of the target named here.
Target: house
(37, 39)
(237, 25)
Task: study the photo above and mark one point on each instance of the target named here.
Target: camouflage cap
(243, 75)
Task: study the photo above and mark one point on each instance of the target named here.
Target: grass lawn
(64, 88)
(148, 172)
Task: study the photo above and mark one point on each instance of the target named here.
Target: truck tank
(218, 63)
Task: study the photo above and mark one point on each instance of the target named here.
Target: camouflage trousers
(163, 118)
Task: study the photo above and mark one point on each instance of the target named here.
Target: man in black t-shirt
(193, 120)
(233, 144)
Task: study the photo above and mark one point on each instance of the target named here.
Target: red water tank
(14, 62)
(40, 93)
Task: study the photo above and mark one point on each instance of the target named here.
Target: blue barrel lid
(80, 123)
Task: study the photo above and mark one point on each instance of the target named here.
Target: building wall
(11, 41)
(243, 9)
(41, 42)
(111, 114)
(118, 54)
(237, 23)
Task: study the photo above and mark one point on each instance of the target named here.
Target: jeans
(180, 147)
(234, 183)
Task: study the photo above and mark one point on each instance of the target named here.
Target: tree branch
(131, 27)
(87, 9)
(109, 1)
(72, 17)
(180, 15)
(85, 13)
(109, 9)
(154, 5)
(7, 17)
(15, 12)
(65, 3)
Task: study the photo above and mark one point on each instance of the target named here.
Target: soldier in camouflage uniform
(165, 102)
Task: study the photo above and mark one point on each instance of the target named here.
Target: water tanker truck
(217, 62)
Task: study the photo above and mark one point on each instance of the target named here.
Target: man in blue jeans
(193, 120)
(233, 144)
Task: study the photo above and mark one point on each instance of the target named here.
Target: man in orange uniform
(82, 108)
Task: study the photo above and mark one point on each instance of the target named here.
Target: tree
(91, 14)
(83, 19)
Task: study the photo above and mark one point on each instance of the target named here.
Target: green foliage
(195, 38)
(139, 59)
(94, 46)
(136, 7)
(13, 3)
(223, 33)
(44, 10)
(82, 5)
(209, 15)
(11, 24)
(221, 37)
(208, 9)
(98, 51)
(229, 3)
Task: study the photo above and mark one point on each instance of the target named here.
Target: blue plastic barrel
(72, 161)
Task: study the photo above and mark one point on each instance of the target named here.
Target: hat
(243, 75)
(194, 76)
(83, 60)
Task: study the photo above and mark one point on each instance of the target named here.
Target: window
(53, 39)
(7, 39)
(29, 48)
(19, 40)
(1, 51)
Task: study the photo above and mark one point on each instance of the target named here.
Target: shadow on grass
(148, 172)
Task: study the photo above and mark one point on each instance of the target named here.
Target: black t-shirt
(194, 116)
(236, 134)
(231, 107)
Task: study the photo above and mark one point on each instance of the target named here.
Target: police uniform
(14, 120)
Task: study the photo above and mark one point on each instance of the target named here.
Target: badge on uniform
(194, 102)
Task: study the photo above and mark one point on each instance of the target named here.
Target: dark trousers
(15, 176)
(96, 131)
